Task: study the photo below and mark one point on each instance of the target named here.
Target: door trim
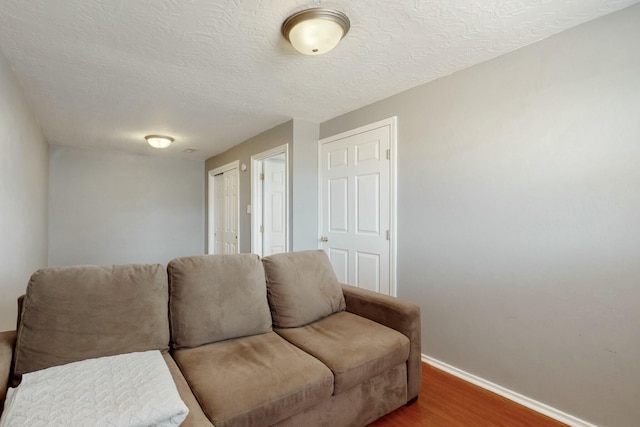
(211, 217)
(392, 122)
(256, 196)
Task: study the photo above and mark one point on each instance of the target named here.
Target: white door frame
(256, 196)
(392, 122)
(211, 219)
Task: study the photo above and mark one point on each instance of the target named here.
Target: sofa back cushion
(215, 298)
(82, 312)
(302, 288)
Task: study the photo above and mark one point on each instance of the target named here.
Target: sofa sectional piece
(75, 313)
(248, 341)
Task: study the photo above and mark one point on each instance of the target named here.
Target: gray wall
(305, 185)
(120, 208)
(274, 137)
(23, 195)
(519, 217)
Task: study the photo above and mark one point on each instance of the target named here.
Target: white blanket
(126, 390)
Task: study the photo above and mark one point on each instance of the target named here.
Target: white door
(218, 216)
(269, 207)
(225, 216)
(356, 207)
(230, 232)
(274, 205)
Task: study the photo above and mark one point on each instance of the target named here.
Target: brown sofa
(249, 342)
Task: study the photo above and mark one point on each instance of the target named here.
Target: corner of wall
(23, 193)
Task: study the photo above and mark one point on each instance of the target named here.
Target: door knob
(324, 239)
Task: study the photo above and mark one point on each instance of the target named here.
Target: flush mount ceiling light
(159, 141)
(315, 31)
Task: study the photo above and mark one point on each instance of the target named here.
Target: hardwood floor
(446, 401)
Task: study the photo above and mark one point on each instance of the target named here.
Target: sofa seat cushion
(354, 348)
(253, 381)
(216, 298)
(75, 313)
(196, 417)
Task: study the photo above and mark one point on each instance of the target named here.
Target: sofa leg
(412, 401)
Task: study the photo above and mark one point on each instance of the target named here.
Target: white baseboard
(540, 407)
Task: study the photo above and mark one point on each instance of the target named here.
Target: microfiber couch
(248, 341)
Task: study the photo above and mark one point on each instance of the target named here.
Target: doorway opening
(224, 210)
(270, 201)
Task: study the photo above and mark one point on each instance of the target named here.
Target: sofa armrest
(7, 345)
(396, 314)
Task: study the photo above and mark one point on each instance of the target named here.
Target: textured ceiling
(213, 73)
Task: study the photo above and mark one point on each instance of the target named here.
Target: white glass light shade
(315, 31)
(315, 36)
(159, 141)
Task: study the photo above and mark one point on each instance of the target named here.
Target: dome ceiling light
(315, 31)
(159, 141)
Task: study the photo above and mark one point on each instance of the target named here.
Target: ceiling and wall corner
(215, 73)
(518, 230)
(23, 195)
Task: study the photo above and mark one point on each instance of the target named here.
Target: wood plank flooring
(446, 400)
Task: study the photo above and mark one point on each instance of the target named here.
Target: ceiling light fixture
(159, 141)
(315, 31)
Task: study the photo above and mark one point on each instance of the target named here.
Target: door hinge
(388, 154)
(388, 235)
(261, 177)
(262, 228)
